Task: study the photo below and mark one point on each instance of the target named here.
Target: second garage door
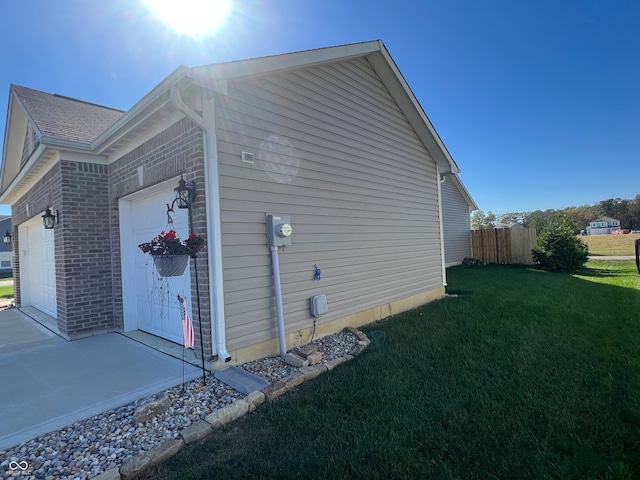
(150, 299)
(38, 267)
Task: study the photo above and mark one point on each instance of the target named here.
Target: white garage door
(151, 300)
(38, 267)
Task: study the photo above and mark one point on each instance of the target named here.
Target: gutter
(212, 190)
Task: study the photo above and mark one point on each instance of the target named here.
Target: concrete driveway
(47, 382)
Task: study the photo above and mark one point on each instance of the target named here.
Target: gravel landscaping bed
(100, 443)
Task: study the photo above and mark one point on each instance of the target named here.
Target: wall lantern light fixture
(7, 237)
(49, 219)
(185, 193)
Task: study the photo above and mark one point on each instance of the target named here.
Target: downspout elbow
(176, 99)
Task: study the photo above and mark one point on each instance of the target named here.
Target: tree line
(627, 211)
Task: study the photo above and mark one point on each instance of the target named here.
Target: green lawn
(6, 291)
(526, 374)
(611, 244)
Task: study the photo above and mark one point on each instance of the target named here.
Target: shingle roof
(64, 117)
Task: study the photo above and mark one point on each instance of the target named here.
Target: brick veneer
(177, 150)
(46, 192)
(87, 239)
(82, 254)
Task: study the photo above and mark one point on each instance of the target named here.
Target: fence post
(638, 254)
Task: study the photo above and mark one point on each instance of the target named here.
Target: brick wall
(87, 238)
(177, 150)
(84, 284)
(79, 191)
(45, 192)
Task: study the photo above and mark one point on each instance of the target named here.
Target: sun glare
(190, 17)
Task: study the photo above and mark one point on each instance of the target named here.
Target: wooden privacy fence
(504, 245)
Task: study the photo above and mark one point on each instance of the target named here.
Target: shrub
(471, 262)
(558, 249)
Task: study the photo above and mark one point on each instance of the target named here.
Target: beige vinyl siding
(456, 224)
(361, 193)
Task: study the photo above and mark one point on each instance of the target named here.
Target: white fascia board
(391, 76)
(15, 187)
(65, 144)
(40, 162)
(7, 145)
(128, 121)
(284, 62)
(17, 117)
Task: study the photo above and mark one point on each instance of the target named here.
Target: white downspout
(275, 263)
(212, 192)
(440, 180)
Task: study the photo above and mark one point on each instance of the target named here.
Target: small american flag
(188, 336)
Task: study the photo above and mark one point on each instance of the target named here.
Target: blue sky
(538, 101)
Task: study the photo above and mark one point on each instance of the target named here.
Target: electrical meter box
(279, 230)
(318, 305)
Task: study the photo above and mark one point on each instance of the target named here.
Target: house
(457, 206)
(333, 138)
(603, 226)
(6, 257)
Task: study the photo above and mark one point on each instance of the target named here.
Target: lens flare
(190, 17)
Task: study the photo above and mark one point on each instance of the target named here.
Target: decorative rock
(255, 399)
(274, 390)
(331, 364)
(196, 432)
(358, 350)
(356, 332)
(155, 456)
(314, 358)
(113, 474)
(152, 407)
(296, 360)
(227, 414)
(95, 447)
(308, 349)
(312, 372)
(293, 380)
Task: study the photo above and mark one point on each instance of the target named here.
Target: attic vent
(247, 157)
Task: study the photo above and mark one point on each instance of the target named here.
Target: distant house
(509, 225)
(603, 226)
(6, 257)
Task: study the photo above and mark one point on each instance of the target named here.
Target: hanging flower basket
(170, 254)
(171, 265)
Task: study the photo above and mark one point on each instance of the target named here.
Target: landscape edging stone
(218, 418)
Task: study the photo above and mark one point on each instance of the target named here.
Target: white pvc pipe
(275, 262)
(214, 249)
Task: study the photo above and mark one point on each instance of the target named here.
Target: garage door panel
(39, 283)
(156, 304)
